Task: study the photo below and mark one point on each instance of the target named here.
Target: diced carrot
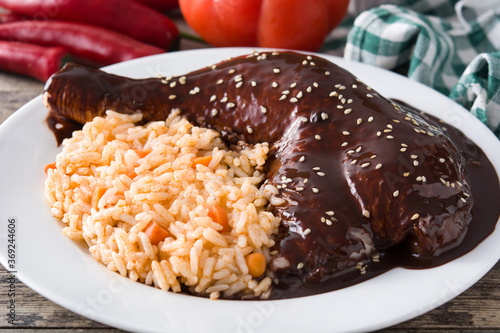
(49, 166)
(256, 263)
(155, 233)
(141, 153)
(219, 215)
(97, 195)
(204, 160)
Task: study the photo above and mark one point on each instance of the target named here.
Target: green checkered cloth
(451, 46)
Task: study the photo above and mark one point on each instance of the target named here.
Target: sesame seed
(213, 98)
(232, 71)
(406, 174)
(304, 119)
(349, 101)
(173, 84)
(379, 133)
(339, 106)
(323, 220)
(263, 109)
(415, 163)
(373, 156)
(315, 190)
(390, 137)
(214, 112)
(354, 86)
(442, 160)
(396, 121)
(378, 166)
(366, 213)
(333, 94)
(415, 216)
(253, 83)
(299, 189)
(395, 194)
(324, 116)
(182, 80)
(231, 105)
(312, 63)
(224, 99)
(364, 165)
(350, 152)
(239, 84)
(309, 89)
(387, 130)
(419, 179)
(347, 111)
(370, 119)
(293, 100)
(321, 174)
(302, 159)
(249, 130)
(293, 85)
(344, 144)
(414, 156)
(359, 121)
(276, 70)
(305, 180)
(286, 92)
(404, 145)
(402, 150)
(307, 232)
(346, 133)
(463, 200)
(299, 94)
(390, 126)
(354, 162)
(369, 95)
(304, 62)
(315, 84)
(328, 222)
(316, 168)
(330, 213)
(172, 97)
(317, 137)
(327, 73)
(220, 81)
(424, 179)
(300, 265)
(274, 84)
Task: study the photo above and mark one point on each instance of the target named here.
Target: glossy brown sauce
(290, 88)
(485, 186)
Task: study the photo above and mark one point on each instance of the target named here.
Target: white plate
(64, 272)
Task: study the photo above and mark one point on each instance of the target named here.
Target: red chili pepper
(9, 17)
(100, 46)
(126, 16)
(162, 5)
(39, 62)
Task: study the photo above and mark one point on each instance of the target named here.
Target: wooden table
(477, 309)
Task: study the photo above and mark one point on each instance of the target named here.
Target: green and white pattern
(451, 46)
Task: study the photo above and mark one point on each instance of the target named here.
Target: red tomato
(293, 24)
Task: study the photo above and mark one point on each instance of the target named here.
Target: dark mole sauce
(485, 189)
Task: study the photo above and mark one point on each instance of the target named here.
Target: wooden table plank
(477, 309)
